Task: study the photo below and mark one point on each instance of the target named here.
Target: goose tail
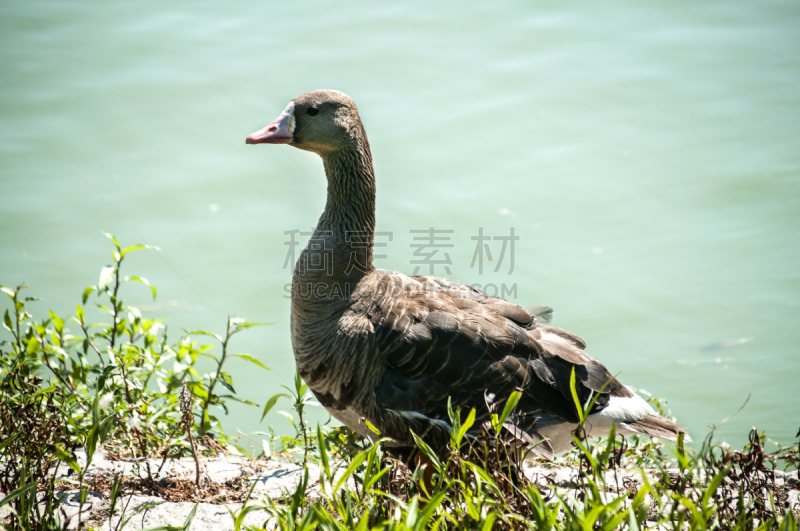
(657, 426)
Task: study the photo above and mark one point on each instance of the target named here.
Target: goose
(393, 351)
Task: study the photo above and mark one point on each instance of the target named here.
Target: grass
(122, 385)
(479, 484)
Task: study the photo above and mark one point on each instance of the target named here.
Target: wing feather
(446, 341)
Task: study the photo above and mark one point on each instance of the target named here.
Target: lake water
(645, 153)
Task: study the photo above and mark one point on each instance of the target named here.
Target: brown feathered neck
(339, 253)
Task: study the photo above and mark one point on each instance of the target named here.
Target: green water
(645, 153)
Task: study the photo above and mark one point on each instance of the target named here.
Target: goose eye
(312, 111)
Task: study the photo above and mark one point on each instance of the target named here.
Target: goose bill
(279, 131)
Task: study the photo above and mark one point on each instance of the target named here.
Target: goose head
(322, 121)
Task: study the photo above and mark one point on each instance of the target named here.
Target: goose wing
(442, 340)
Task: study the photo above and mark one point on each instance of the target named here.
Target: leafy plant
(299, 398)
(480, 483)
(113, 385)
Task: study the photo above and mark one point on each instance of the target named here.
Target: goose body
(393, 349)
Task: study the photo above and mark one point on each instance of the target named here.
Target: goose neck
(339, 253)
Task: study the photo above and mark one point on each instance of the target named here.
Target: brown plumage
(393, 349)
